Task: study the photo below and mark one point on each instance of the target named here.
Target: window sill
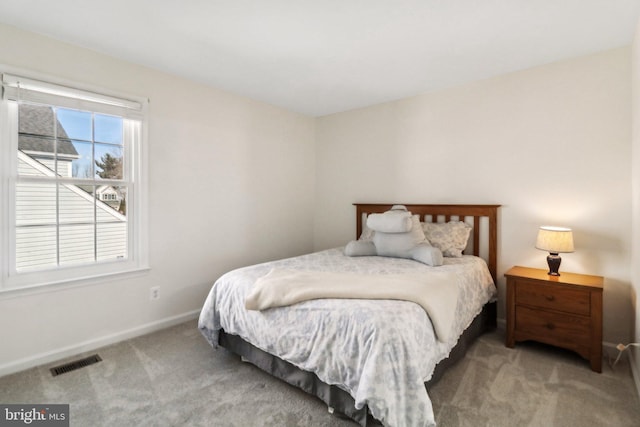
(65, 284)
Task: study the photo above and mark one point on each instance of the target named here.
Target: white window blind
(25, 89)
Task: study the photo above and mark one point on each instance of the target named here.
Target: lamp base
(553, 260)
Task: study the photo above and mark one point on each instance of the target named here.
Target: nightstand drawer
(553, 328)
(553, 297)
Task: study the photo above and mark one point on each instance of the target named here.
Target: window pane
(35, 155)
(79, 164)
(36, 229)
(77, 244)
(36, 119)
(108, 160)
(112, 240)
(108, 129)
(112, 225)
(35, 204)
(76, 206)
(36, 247)
(114, 197)
(75, 124)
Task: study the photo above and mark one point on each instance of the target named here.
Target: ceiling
(319, 57)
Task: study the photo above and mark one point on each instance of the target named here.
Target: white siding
(35, 247)
(35, 204)
(112, 240)
(77, 214)
(24, 169)
(76, 244)
(64, 168)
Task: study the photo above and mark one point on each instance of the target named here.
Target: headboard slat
(476, 234)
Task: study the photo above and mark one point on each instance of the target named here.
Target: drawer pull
(550, 297)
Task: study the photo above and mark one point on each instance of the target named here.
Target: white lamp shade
(555, 239)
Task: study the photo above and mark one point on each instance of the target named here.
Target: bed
(371, 360)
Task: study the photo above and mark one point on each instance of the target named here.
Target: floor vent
(76, 364)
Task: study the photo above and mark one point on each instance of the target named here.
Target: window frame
(46, 90)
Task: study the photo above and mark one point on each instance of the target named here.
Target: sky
(93, 135)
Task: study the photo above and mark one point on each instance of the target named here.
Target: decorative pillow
(400, 244)
(450, 237)
(368, 233)
(394, 241)
(390, 222)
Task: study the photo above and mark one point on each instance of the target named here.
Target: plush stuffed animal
(398, 234)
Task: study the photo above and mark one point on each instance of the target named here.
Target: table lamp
(554, 240)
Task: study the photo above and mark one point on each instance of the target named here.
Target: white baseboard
(92, 344)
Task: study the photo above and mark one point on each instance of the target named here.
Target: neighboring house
(56, 226)
(110, 196)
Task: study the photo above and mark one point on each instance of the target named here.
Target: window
(73, 169)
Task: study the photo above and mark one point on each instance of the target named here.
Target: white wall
(231, 183)
(551, 144)
(635, 273)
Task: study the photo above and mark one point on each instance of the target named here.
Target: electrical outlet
(154, 292)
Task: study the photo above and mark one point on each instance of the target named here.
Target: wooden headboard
(485, 232)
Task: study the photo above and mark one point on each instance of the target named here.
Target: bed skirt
(335, 397)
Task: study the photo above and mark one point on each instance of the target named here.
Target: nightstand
(564, 311)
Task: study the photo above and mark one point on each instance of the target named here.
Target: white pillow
(400, 245)
(368, 233)
(450, 237)
(390, 222)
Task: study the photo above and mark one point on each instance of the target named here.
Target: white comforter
(379, 351)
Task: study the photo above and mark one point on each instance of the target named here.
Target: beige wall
(229, 180)
(551, 144)
(635, 291)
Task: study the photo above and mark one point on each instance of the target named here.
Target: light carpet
(173, 378)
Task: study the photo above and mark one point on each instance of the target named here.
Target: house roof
(36, 129)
